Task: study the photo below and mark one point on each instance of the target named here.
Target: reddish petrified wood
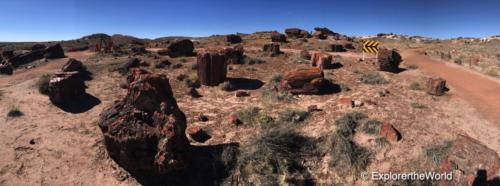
(212, 66)
(303, 81)
(436, 86)
(321, 60)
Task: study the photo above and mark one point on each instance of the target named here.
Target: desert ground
(279, 138)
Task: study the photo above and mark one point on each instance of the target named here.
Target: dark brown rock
(303, 81)
(321, 60)
(234, 55)
(73, 65)
(271, 49)
(325, 31)
(389, 132)
(233, 38)
(388, 60)
(198, 134)
(436, 86)
(178, 48)
(278, 37)
(296, 33)
(6, 68)
(337, 48)
(212, 66)
(145, 131)
(26, 57)
(38, 47)
(66, 87)
(54, 52)
(320, 35)
(242, 94)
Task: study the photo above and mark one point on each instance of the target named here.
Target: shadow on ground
(209, 165)
(245, 83)
(83, 104)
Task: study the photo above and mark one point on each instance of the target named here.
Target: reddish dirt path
(48, 67)
(481, 91)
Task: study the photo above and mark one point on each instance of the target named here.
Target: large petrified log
(145, 131)
(296, 33)
(303, 81)
(54, 51)
(212, 66)
(436, 86)
(388, 60)
(66, 87)
(321, 60)
(183, 47)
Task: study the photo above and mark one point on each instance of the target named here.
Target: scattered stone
(345, 102)
(436, 86)
(321, 60)
(178, 48)
(212, 66)
(389, 132)
(66, 87)
(304, 54)
(145, 131)
(73, 65)
(202, 118)
(242, 94)
(54, 52)
(303, 81)
(6, 69)
(198, 134)
(313, 108)
(296, 33)
(163, 63)
(233, 38)
(32, 142)
(271, 49)
(358, 103)
(278, 37)
(388, 60)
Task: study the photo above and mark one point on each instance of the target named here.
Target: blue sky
(41, 20)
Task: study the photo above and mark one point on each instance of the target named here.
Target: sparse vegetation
(271, 93)
(373, 78)
(418, 105)
(192, 81)
(381, 142)
(348, 123)
(276, 157)
(347, 157)
(252, 60)
(436, 153)
(226, 86)
(43, 84)
(14, 112)
(412, 66)
(492, 72)
(371, 127)
(293, 116)
(415, 86)
(249, 114)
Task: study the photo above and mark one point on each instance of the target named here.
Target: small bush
(347, 157)
(251, 61)
(344, 88)
(412, 66)
(293, 116)
(14, 112)
(458, 61)
(270, 92)
(348, 123)
(273, 155)
(371, 127)
(418, 105)
(43, 84)
(436, 153)
(226, 86)
(492, 73)
(415, 86)
(249, 114)
(373, 79)
(381, 142)
(192, 81)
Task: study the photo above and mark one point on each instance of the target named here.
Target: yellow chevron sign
(370, 46)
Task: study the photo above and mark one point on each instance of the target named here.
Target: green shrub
(373, 79)
(371, 127)
(348, 123)
(273, 155)
(415, 86)
(293, 116)
(249, 114)
(43, 84)
(436, 153)
(14, 112)
(418, 105)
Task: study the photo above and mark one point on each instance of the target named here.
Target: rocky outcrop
(271, 49)
(303, 81)
(321, 60)
(296, 33)
(145, 131)
(54, 52)
(233, 38)
(128, 64)
(388, 60)
(278, 37)
(73, 65)
(212, 66)
(178, 48)
(436, 86)
(66, 87)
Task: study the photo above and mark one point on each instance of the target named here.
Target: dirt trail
(48, 67)
(481, 91)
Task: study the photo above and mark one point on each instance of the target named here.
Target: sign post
(370, 47)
